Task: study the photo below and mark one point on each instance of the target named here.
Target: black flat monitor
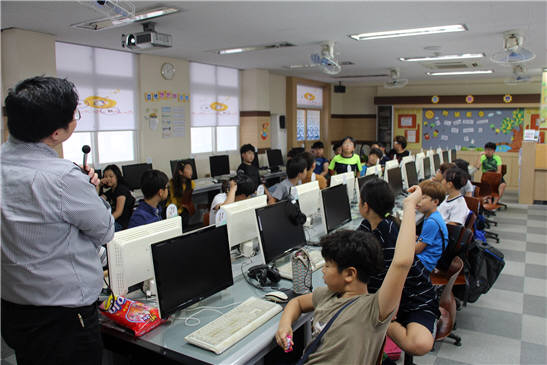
(279, 233)
(363, 180)
(191, 267)
(411, 174)
(191, 161)
(395, 180)
(445, 156)
(427, 167)
(453, 155)
(133, 173)
(336, 206)
(436, 162)
(275, 159)
(219, 165)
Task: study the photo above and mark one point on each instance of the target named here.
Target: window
(106, 82)
(309, 101)
(214, 108)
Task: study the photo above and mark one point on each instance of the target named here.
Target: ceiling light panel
(227, 51)
(456, 73)
(443, 58)
(118, 21)
(409, 32)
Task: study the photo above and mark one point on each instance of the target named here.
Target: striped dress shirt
(53, 224)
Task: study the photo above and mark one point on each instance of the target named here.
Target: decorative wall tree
(514, 125)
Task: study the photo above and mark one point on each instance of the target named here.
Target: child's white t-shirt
(454, 210)
(218, 199)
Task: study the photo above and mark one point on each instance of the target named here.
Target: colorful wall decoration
(472, 128)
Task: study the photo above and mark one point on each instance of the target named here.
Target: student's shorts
(426, 319)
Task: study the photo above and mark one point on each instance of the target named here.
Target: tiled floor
(507, 325)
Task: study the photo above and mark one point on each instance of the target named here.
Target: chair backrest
(503, 170)
(470, 220)
(447, 300)
(455, 232)
(493, 179)
(465, 239)
(473, 204)
(206, 219)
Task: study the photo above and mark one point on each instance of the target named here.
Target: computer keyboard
(231, 327)
(203, 182)
(317, 262)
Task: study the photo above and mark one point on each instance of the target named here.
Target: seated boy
(155, 188)
(240, 188)
(374, 157)
(310, 171)
(351, 257)
(434, 234)
(247, 152)
(296, 172)
(454, 208)
(488, 161)
(321, 163)
(438, 177)
(468, 189)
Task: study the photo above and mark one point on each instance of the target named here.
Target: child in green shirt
(490, 162)
(347, 160)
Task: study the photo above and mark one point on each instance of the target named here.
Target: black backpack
(482, 266)
(448, 247)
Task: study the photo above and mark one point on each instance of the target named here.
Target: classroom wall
(277, 87)
(25, 54)
(356, 100)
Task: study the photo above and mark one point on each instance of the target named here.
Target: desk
(168, 339)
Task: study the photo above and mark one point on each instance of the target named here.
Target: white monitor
(390, 165)
(129, 255)
(240, 218)
(309, 198)
(347, 178)
(420, 165)
(374, 170)
(406, 159)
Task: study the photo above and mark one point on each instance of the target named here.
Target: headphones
(264, 274)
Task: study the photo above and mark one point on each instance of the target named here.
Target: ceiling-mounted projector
(147, 39)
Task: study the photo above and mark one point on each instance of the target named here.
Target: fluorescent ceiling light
(252, 48)
(452, 73)
(118, 21)
(409, 32)
(443, 58)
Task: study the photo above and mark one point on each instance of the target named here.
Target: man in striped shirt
(53, 225)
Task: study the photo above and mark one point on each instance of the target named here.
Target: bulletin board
(472, 128)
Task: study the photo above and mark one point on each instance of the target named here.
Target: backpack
(447, 255)
(482, 266)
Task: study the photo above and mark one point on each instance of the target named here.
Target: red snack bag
(131, 314)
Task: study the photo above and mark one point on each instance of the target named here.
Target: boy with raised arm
(357, 335)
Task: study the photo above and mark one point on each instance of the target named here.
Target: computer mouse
(276, 296)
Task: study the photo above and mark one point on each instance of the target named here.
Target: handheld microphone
(85, 149)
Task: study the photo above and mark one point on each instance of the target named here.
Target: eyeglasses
(77, 115)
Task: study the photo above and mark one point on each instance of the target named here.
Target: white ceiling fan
(513, 50)
(395, 82)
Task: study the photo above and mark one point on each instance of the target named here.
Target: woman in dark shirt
(118, 196)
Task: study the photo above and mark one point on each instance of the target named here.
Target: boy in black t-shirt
(247, 168)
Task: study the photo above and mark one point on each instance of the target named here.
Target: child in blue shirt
(434, 236)
(155, 188)
(321, 163)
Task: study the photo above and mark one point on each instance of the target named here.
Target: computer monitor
(191, 267)
(335, 207)
(363, 180)
(278, 233)
(453, 155)
(395, 180)
(436, 162)
(240, 219)
(219, 165)
(446, 157)
(411, 175)
(275, 159)
(347, 178)
(309, 198)
(133, 173)
(129, 260)
(419, 161)
(427, 168)
(184, 161)
(374, 170)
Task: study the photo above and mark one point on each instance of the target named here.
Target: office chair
(447, 307)
(493, 179)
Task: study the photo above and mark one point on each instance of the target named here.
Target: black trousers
(52, 335)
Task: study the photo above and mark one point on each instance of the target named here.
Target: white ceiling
(204, 26)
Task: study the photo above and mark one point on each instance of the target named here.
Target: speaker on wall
(282, 121)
